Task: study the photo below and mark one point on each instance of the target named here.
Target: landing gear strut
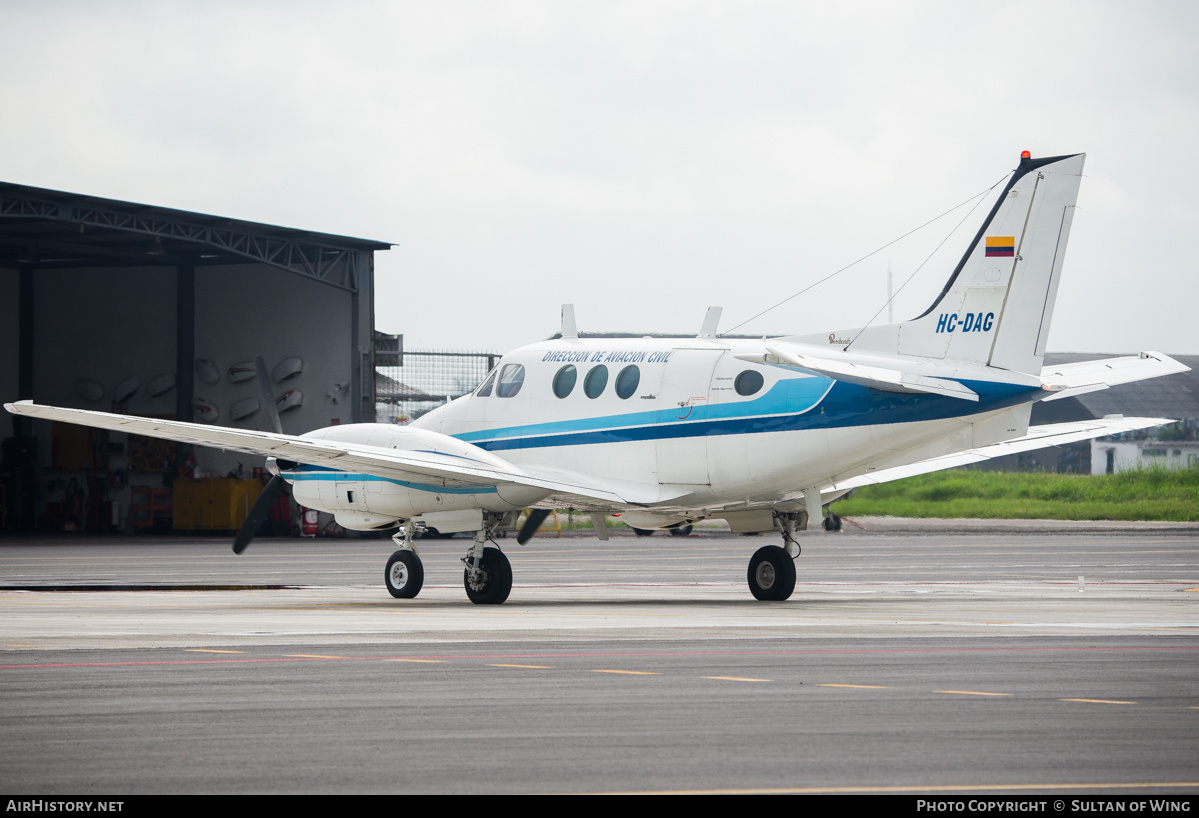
(405, 573)
(488, 574)
(771, 573)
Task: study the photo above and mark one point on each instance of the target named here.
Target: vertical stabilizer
(997, 306)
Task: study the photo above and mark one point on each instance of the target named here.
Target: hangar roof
(50, 228)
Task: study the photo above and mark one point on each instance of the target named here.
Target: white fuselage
(679, 413)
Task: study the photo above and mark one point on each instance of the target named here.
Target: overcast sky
(643, 160)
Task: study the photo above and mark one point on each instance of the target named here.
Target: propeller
(262, 506)
(258, 514)
(264, 383)
(532, 523)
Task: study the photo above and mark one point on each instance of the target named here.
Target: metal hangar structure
(99, 297)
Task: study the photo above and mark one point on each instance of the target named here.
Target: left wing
(431, 456)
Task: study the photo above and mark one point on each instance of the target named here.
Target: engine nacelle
(365, 522)
(365, 502)
(649, 520)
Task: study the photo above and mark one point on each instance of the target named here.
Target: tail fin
(997, 306)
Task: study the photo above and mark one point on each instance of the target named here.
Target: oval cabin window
(626, 382)
(564, 381)
(596, 380)
(748, 382)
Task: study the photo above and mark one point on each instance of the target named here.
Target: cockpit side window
(485, 389)
(512, 378)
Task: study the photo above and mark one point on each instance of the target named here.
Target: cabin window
(596, 380)
(485, 389)
(512, 378)
(626, 382)
(748, 382)
(564, 381)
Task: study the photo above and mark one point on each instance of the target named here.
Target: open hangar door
(131, 308)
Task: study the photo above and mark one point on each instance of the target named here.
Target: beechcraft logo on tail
(1001, 246)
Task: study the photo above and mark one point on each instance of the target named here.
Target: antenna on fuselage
(711, 322)
(569, 330)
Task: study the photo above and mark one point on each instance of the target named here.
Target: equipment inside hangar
(144, 310)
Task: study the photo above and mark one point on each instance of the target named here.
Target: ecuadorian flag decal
(1001, 246)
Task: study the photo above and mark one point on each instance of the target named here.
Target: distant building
(1109, 455)
(1174, 396)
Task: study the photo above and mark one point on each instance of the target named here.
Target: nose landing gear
(405, 573)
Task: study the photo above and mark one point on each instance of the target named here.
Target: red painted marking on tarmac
(595, 655)
(166, 662)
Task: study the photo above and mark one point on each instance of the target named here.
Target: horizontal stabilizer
(1068, 380)
(861, 370)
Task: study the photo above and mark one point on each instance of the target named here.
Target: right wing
(1038, 437)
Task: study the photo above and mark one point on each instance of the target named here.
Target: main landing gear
(771, 573)
(487, 576)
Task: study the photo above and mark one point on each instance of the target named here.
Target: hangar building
(99, 298)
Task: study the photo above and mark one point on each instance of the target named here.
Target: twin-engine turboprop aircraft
(759, 433)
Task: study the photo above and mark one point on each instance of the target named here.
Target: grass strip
(1151, 493)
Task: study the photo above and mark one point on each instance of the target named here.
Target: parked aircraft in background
(667, 432)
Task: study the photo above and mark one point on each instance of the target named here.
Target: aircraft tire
(404, 575)
(496, 581)
(643, 532)
(832, 522)
(771, 574)
(682, 531)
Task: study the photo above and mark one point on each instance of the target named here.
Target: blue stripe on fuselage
(792, 395)
(841, 405)
(306, 473)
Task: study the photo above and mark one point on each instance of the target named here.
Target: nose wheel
(405, 574)
(771, 574)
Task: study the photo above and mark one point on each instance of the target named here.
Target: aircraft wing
(1067, 380)
(1038, 437)
(396, 464)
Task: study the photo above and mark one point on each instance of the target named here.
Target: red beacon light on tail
(1025, 155)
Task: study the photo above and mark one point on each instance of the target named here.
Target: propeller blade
(258, 513)
(264, 383)
(532, 523)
